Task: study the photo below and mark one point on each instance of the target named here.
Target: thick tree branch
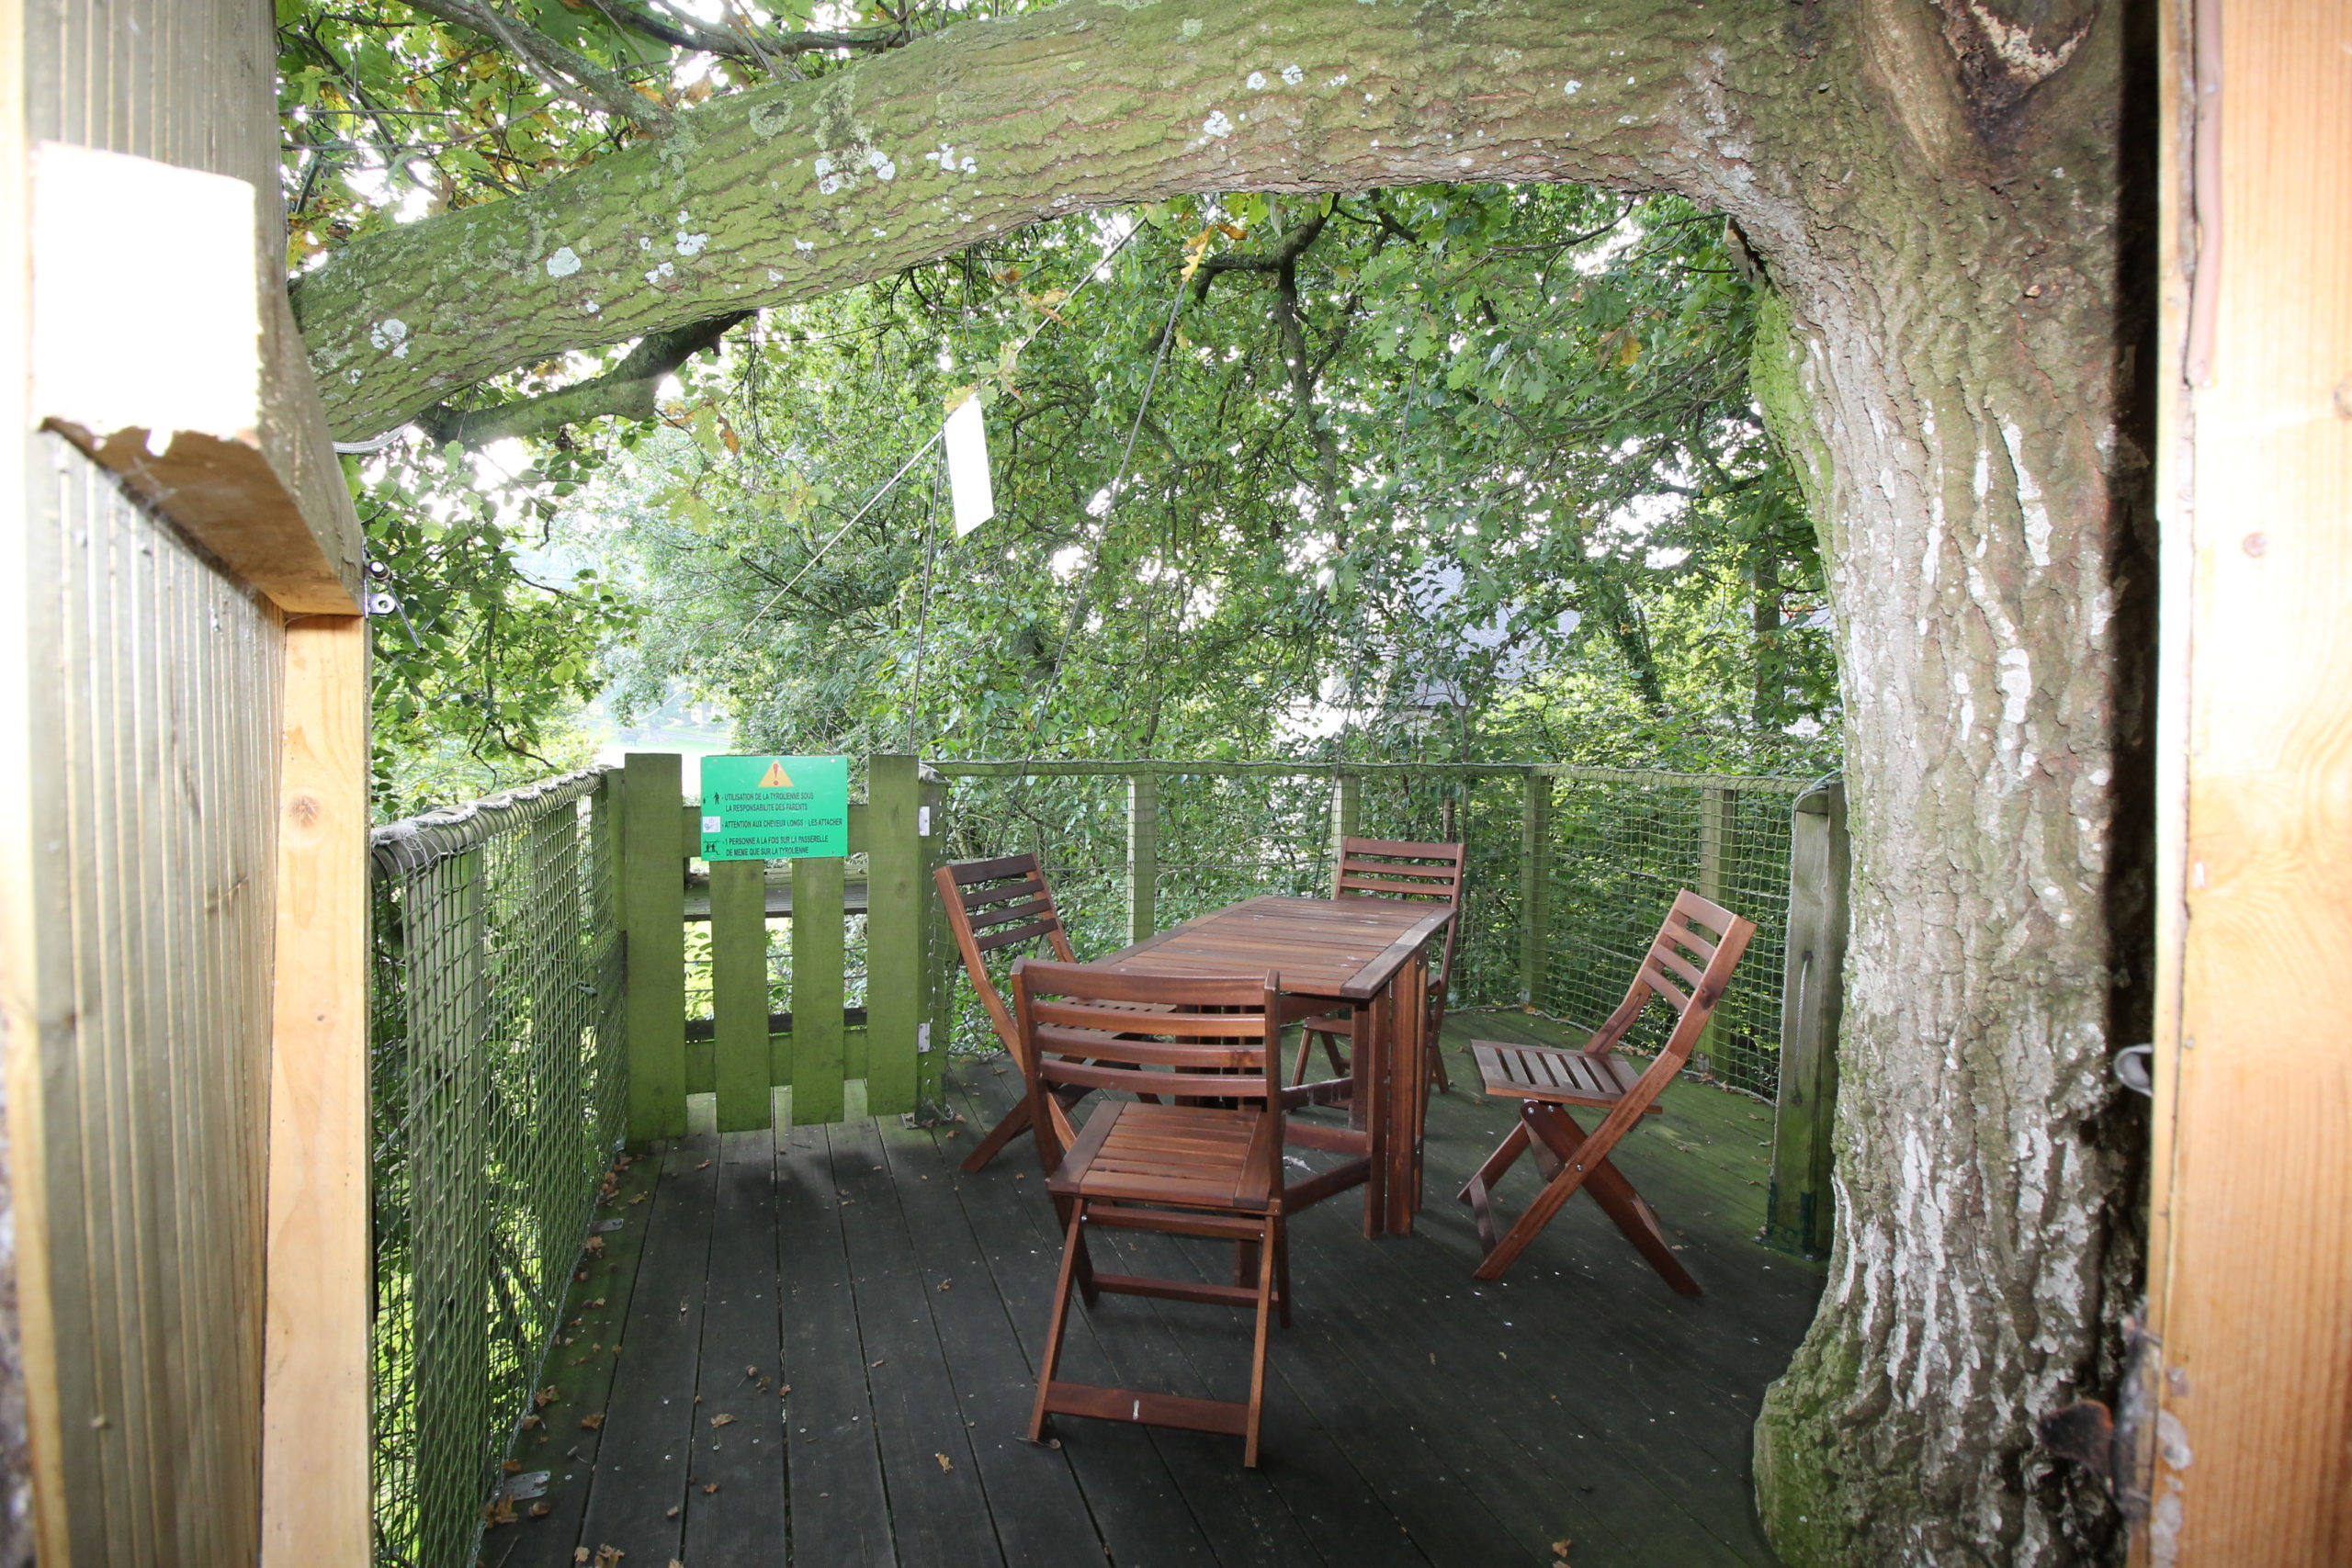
(681, 31)
(564, 69)
(784, 192)
(627, 390)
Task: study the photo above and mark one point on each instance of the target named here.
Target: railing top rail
(411, 844)
(1132, 767)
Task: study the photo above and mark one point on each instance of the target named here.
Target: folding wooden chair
(1546, 1081)
(1201, 1157)
(1383, 868)
(994, 904)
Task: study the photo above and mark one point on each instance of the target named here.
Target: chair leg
(1620, 1202)
(1014, 1124)
(1478, 1190)
(1266, 1253)
(1281, 1269)
(1073, 1238)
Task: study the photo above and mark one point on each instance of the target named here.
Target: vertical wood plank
(894, 918)
(1347, 813)
(817, 956)
(316, 1499)
(939, 950)
(1718, 829)
(738, 992)
(2250, 1260)
(1143, 855)
(1797, 1204)
(653, 909)
(1535, 886)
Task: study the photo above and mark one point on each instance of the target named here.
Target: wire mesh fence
(497, 1082)
(1622, 845)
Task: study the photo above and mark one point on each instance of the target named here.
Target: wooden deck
(1415, 1418)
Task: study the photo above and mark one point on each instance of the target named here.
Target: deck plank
(1140, 1511)
(938, 1514)
(1034, 1500)
(581, 1376)
(738, 1370)
(841, 1513)
(647, 1432)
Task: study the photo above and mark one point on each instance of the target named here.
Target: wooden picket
(817, 1046)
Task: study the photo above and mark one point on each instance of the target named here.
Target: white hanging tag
(968, 466)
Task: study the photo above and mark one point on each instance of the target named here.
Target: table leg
(1408, 1089)
(1375, 1035)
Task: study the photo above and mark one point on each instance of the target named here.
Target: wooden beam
(1143, 855)
(1797, 1203)
(653, 908)
(738, 992)
(895, 890)
(2251, 1262)
(316, 1495)
(818, 960)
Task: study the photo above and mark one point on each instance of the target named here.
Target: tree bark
(1937, 195)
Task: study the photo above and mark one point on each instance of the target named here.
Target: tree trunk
(1972, 440)
(1935, 194)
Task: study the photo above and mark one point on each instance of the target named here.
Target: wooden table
(1367, 955)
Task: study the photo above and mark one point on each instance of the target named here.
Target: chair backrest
(996, 903)
(1209, 1038)
(1388, 868)
(1687, 964)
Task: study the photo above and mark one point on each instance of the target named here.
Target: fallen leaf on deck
(597, 1302)
(670, 1513)
(709, 1489)
(545, 1397)
(541, 1511)
(596, 1246)
(944, 1284)
(722, 1420)
(593, 1423)
(870, 1365)
(609, 1557)
(1560, 1548)
(511, 1466)
(499, 1511)
(703, 1166)
(579, 1554)
(944, 1468)
(530, 1421)
(640, 1197)
(784, 1392)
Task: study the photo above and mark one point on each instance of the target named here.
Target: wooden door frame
(2249, 1368)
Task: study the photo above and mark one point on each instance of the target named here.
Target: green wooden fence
(806, 1060)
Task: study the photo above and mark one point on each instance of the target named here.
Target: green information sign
(775, 807)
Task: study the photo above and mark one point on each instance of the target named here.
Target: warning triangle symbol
(776, 777)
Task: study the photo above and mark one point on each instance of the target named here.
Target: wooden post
(939, 957)
(738, 992)
(1797, 1204)
(818, 957)
(2249, 1257)
(1535, 886)
(654, 913)
(894, 886)
(1346, 811)
(316, 1497)
(557, 970)
(1143, 855)
(1718, 830)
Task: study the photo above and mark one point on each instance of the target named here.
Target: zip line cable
(1098, 269)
